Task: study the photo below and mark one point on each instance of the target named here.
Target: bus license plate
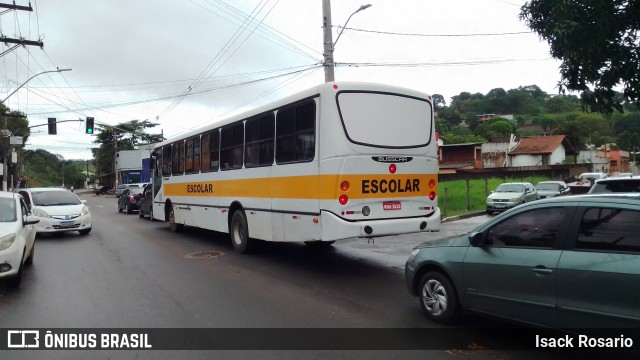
(66, 223)
(391, 205)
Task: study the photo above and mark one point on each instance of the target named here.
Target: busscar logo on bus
(392, 159)
(199, 188)
(391, 186)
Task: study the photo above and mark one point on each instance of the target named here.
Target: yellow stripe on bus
(321, 187)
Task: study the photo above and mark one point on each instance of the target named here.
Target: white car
(17, 237)
(59, 210)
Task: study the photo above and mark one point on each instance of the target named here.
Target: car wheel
(239, 232)
(29, 261)
(438, 298)
(15, 281)
(489, 212)
(84, 231)
(128, 208)
(175, 227)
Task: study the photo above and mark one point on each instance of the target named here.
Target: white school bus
(337, 161)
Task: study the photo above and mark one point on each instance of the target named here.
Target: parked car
(102, 189)
(509, 195)
(587, 179)
(119, 189)
(17, 237)
(547, 189)
(130, 199)
(616, 185)
(59, 210)
(122, 187)
(146, 202)
(539, 263)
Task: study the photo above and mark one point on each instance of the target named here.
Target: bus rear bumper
(335, 228)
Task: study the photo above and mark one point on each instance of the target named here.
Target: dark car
(146, 202)
(552, 188)
(103, 189)
(567, 262)
(616, 185)
(130, 199)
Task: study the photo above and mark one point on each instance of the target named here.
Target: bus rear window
(385, 120)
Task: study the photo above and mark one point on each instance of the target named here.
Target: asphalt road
(134, 273)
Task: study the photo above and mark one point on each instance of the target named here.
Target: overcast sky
(137, 59)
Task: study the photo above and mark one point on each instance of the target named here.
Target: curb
(463, 216)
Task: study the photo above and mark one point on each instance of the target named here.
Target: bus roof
(306, 94)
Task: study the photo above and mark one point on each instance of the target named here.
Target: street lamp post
(6, 125)
(329, 44)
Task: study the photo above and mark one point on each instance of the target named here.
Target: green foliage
(128, 136)
(455, 200)
(559, 115)
(597, 42)
(45, 169)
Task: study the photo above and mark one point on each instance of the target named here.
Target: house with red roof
(540, 151)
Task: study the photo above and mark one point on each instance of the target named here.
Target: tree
(597, 42)
(576, 131)
(438, 101)
(128, 136)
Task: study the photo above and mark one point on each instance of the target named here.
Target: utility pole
(115, 159)
(23, 42)
(328, 42)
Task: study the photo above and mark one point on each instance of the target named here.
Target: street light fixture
(6, 127)
(29, 79)
(329, 45)
(362, 7)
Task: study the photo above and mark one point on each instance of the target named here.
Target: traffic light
(89, 125)
(52, 126)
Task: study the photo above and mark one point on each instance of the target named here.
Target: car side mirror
(31, 220)
(476, 239)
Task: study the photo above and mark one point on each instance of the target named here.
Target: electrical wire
(438, 35)
(169, 97)
(270, 33)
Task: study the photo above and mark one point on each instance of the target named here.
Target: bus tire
(175, 227)
(239, 233)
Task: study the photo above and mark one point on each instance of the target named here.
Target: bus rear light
(432, 196)
(432, 184)
(315, 220)
(343, 199)
(335, 86)
(344, 186)
(392, 168)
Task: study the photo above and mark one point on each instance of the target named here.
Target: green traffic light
(89, 131)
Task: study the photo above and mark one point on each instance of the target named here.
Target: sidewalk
(463, 216)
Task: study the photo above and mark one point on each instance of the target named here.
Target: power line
(439, 35)
(270, 33)
(169, 97)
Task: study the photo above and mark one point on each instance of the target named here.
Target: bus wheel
(175, 227)
(239, 232)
